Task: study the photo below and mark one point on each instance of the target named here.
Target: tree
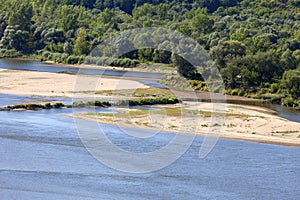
(21, 15)
(266, 65)
(3, 24)
(81, 44)
(291, 82)
(68, 48)
(227, 51)
(202, 23)
(287, 60)
(184, 68)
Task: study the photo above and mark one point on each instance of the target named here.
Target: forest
(254, 43)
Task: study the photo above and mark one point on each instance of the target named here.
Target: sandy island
(31, 83)
(242, 122)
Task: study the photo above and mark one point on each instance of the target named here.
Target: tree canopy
(255, 44)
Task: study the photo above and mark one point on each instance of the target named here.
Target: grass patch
(138, 112)
(140, 92)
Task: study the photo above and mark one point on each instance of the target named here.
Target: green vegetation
(150, 92)
(26, 107)
(33, 106)
(57, 105)
(146, 101)
(95, 103)
(255, 44)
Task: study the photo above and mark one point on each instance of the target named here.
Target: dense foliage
(255, 43)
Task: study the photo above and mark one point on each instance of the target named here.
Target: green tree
(21, 15)
(81, 46)
(287, 60)
(227, 51)
(291, 82)
(202, 23)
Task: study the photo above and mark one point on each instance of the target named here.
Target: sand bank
(30, 83)
(240, 122)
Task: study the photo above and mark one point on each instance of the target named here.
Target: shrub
(74, 60)
(58, 105)
(78, 104)
(147, 101)
(9, 53)
(48, 106)
(289, 101)
(46, 54)
(91, 103)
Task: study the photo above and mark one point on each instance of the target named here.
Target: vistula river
(42, 157)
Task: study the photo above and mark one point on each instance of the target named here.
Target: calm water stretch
(42, 157)
(42, 67)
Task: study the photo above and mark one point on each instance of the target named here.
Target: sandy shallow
(240, 122)
(30, 83)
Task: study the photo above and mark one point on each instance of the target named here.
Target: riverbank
(242, 122)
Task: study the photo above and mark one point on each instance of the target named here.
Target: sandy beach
(30, 83)
(239, 122)
(242, 122)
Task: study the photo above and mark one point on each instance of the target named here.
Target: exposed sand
(46, 84)
(242, 122)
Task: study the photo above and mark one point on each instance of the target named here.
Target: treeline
(255, 43)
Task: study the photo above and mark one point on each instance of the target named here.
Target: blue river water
(42, 157)
(16, 64)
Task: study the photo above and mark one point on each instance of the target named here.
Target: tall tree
(81, 44)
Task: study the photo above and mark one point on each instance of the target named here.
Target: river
(42, 157)
(31, 65)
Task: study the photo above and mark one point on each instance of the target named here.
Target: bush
(58, 105)
(96, 103)
(74, 60)
(289, 101)
(90, 60)
(125, 62)
(27, 106)
(46, 54)
(48, 106)
(274, 87)
(9, 53)
(147, 101)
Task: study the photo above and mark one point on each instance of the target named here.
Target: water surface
(16, 64)
(42, 157)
